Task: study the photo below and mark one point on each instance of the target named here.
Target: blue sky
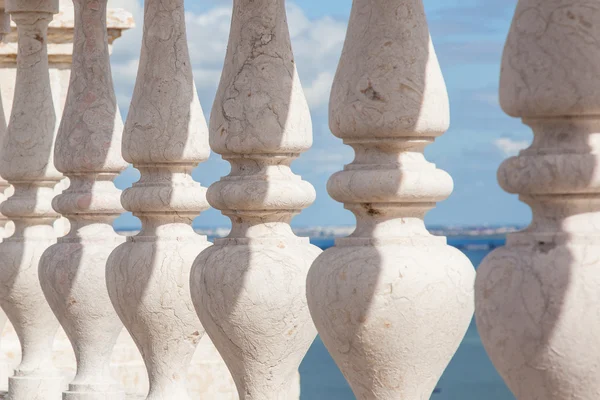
(468, 36)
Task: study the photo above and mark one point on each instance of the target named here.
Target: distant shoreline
(332, 232)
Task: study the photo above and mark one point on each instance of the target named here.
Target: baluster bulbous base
(250, 297)
(148, 282)
(391, 314)
(23, 301)
(73, 277)
(538, 315)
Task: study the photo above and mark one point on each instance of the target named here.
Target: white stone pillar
(4, 29)
(537, 299)
(249, 288)
(391, 301)
(88, 152)
(26, 163)
(165, 138)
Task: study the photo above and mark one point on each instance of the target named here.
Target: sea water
(470, 375)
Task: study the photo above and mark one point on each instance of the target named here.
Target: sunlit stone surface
(26, 163)
(537, 299)
(391, 302)
(165, 138)
(6, 227)
(88, 151)
(249, 288)
(207, 376)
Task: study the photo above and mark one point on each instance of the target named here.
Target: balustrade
(537, 299)
(391, 302)
(249, 288)
(26, 163)
(165, 138)
(88, 152)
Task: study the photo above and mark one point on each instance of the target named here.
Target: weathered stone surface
(4, 230)
(88, 152)
(537, 303)
(249, 288)
(4, 28)
(26, 162)
(165, 138)
(391, 302)
(4, 21)
(60, 35)
(207, 376)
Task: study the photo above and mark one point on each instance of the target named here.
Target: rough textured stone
(60, 35)
(165, 138)
(391, 302)
(249, 288)
(207, 376)
(537, 303)
(4, 21)
(4, 28)
(26, 162)
(88, 152)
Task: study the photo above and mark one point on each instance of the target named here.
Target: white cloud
(326, 161)
(488, 97)
(509, 146)
(317, 92)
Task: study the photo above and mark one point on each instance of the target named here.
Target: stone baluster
(88, 152)
(537, 299)
(165, 138)
(26, 163)
(4, 29)
(391, 302)
(249, 288)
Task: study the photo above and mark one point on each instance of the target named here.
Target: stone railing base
(208, 375)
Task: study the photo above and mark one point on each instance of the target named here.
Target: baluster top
(89, 138)
(260, 107)
(165, 122)
(388, 83)
(550, 65)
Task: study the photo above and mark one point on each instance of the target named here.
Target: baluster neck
(389, 187)
(30, 205)
(261, 195)
(166, 194)
(557, 176)
(91, 200)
